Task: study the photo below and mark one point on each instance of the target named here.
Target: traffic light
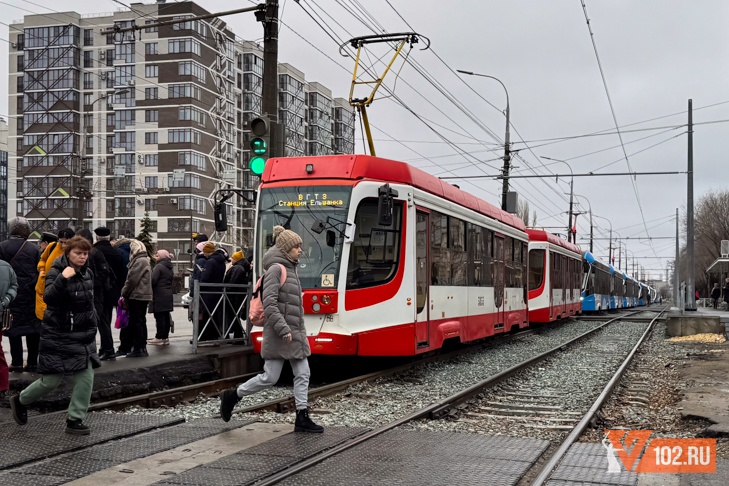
(221, 217)
(260, 144)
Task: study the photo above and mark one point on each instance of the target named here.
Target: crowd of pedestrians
(62, 291)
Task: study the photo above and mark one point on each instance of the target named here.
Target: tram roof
(366, 167)
(543, 235)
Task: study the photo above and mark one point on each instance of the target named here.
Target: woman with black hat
(46, 239)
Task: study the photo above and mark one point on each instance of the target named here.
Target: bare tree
(711, 225)
(522, 210)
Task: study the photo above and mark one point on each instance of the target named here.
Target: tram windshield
(298, 209)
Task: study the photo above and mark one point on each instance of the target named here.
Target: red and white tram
(395, 261)
(555, 277)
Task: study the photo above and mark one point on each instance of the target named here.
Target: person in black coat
(214, 273)
(68, 340)
(23, 256)
(162, 296)
(100, 270)
(238, 274)
(117, 275)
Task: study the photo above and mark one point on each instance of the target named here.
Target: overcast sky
(655, 56)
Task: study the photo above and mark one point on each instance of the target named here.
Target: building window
(151, 93)
(192, 159)
(150, 30)
(186, 135)
(186, 90)
(151, 48)
(192, 114)
(150, 182)
(189, 180)
(150, 205)
(150, 138)
(192, 68)
(21, 84)
(151, 160)
(184, 45)
(151, 115)
(151, 71)
(88, 80)
(88, 37)
(88, 59)
(196, 204)
(21, 63)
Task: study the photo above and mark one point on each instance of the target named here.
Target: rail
(553, 462)
(436, 409)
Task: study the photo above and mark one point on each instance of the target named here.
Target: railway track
(455, 406)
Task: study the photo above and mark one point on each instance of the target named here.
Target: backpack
(255, 308)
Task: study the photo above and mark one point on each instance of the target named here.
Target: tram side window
(440, 270)
(518, 264)
(375, 252)
(536, 269)
(488, 267)
(457, 247)
(509, 261)
(476, 246)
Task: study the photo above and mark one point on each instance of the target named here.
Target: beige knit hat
(286, 240)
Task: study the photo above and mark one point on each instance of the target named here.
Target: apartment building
(104, 129)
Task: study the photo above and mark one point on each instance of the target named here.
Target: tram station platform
(166, 366)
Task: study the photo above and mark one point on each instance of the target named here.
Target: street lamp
(507, 152)
(572, 181)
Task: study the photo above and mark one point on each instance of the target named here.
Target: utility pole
(507, 158)
(507, 139)
(569, 228)
(691, 300)
(675, 267)
(270, 74)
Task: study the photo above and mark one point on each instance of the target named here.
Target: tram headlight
(316, 307)
(581, 298)
(326, 300)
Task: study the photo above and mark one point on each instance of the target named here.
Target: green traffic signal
(256, 165)
(259, 146)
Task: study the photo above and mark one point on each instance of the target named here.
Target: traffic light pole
(270, 74)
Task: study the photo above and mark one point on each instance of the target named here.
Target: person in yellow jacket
(52, 251)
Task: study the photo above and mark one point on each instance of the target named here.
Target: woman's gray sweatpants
(271, 373)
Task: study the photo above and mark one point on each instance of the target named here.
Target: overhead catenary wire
(633, 182)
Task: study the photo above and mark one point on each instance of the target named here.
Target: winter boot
(228, 400)
(305, 424)
(76, 427)
(20, 411)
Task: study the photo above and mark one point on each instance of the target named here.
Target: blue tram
(596, 284)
